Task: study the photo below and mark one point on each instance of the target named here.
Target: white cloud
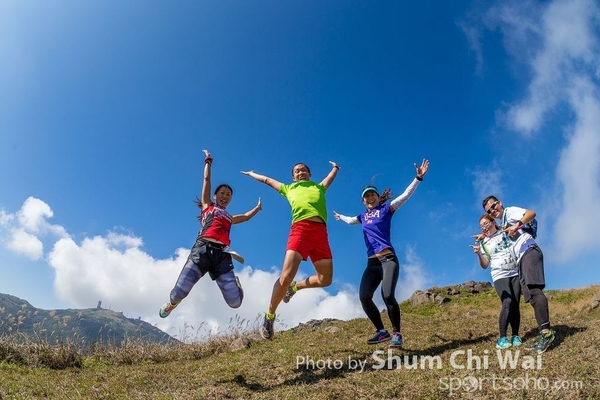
(33, 215)
(413, 275)
(487, 181)
(473, 35)
(578, 171)
(22, 232)
(5, 218)
(566, 36)
(25, 244)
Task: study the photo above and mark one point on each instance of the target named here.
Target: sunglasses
(492, 207)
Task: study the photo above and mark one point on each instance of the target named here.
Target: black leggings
(509, 290)
(384, 270)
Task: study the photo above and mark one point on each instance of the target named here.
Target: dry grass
(281, 368)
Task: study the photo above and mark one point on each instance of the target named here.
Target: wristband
(208, 160)
(420, 179)
(336, 167)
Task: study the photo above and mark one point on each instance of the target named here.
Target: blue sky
(105, 108)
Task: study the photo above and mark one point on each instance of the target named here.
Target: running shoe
(542, 342)
(380, 336)
(266, 330)
(239, 285)
(166, 309)
(234, 254)
(290, 292)
(516, 341)
(396, 340)
(503, 343)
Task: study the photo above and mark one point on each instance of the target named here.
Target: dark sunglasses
(492, 207)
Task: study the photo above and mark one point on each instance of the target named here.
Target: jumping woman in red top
(211, 253)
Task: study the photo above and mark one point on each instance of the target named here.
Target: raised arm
(236, 219)
(331, 176)
(206, 183)
(264, 179)
(400, 200)
(348, 220)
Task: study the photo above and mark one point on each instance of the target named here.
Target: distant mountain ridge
(84, 326)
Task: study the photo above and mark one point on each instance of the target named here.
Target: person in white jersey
(493, 250)
(530, 261)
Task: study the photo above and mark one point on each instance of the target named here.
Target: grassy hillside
(330, 360)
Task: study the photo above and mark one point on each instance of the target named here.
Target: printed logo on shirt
(369, 216)
(218, 212)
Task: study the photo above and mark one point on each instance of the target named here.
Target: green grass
(282, 368)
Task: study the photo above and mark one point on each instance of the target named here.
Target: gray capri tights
(191, 274)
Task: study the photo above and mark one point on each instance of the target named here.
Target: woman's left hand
(422, 170)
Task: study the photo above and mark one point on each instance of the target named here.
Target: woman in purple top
(382, 263)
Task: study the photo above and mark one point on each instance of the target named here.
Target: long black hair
(199, 201)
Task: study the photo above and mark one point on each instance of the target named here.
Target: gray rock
(419, 298)
(240, 343)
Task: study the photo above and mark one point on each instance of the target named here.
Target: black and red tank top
(216, 224)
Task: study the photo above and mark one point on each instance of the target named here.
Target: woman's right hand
(476, 248)
(479, 237)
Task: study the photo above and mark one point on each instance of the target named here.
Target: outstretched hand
(336, 215)
(334, 165)
(246, 172)
(479, 237)
(476, 248)
(422, 170)
(259, 205)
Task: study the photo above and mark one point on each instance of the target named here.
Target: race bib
(507, 261)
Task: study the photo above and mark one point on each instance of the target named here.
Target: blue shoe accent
(503, 343)
(396, 340)
(516, 341)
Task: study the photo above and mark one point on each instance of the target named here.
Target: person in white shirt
(493, 250)
(530, 262)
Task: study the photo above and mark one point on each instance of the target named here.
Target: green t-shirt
(307, 199)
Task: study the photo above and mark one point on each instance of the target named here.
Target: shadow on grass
(305, 376)
(455, 344)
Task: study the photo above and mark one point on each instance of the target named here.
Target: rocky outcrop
(445, 294)
(419, 298)
(315, 325)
